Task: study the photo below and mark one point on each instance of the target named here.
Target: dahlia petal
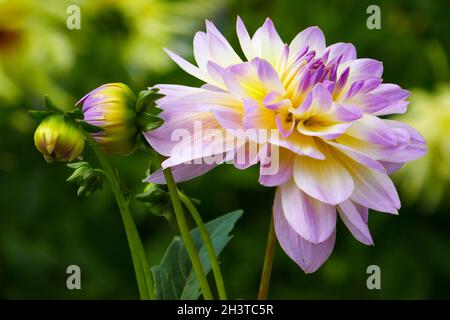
(373, 189)
(415, 146)
(201, 102)
(285, 127)
(229, 118)
(268, 76)
(370, 84)
(220, 50)
(283, 60)
(353, 217)
(230, 81)
(322, 99)
(373, 130)
(329, 132)
(346, 112)
(344, 51)
(299, 143)
(256, 116)
(202, 144)
(319, 101)
(247, 76)
(354, 88)
(246, 155)
(325, 180)
(391, 167)
(202, 53)
(187, 66)
(393, 108)
(372, 103)
(211, 87)
(342, 80)
(161, 138)
(307, 255)
(182, 172)
(285, 168)
(313, 220)
(184, 137)
(358, 156)
(274, 101)
(244, 39)
(212, 30)
(362, 69)
(391, 91)
(395, 95)
(312, 38)
(174, 90)
(267, 44)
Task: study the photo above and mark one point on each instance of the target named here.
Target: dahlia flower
(59, 139)
(334, 150)
(112, 107)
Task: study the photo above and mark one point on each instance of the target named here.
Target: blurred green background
(44, 227)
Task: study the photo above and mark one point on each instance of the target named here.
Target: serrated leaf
(174, 278)
(145, 98)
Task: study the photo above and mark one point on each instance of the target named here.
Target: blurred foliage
(44, 227)
(429, 112)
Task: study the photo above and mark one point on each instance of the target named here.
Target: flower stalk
(186, 235)
(208, 244)
(268, 262)
(141, 267)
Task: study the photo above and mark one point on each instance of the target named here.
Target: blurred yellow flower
(36, 46)
(33, 48)
(427, 179)
(151, 25)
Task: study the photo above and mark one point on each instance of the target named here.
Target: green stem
(141, 268)
(186, 235)
(268, 261)
(208, 244)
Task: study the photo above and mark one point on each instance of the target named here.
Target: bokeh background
(44, 227)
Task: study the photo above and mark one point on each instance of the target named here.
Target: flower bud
(112, 107)
(59, 139)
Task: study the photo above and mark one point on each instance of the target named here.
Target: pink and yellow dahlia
(334, 150)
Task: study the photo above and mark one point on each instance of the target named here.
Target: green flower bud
(59, 139)
(112, 107)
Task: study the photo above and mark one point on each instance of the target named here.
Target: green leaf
(75, 114)
(174, 278)
(86, 177)
(146, 98)
(39, 115)
(147, 122)
(48, 103)
(90, 127)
